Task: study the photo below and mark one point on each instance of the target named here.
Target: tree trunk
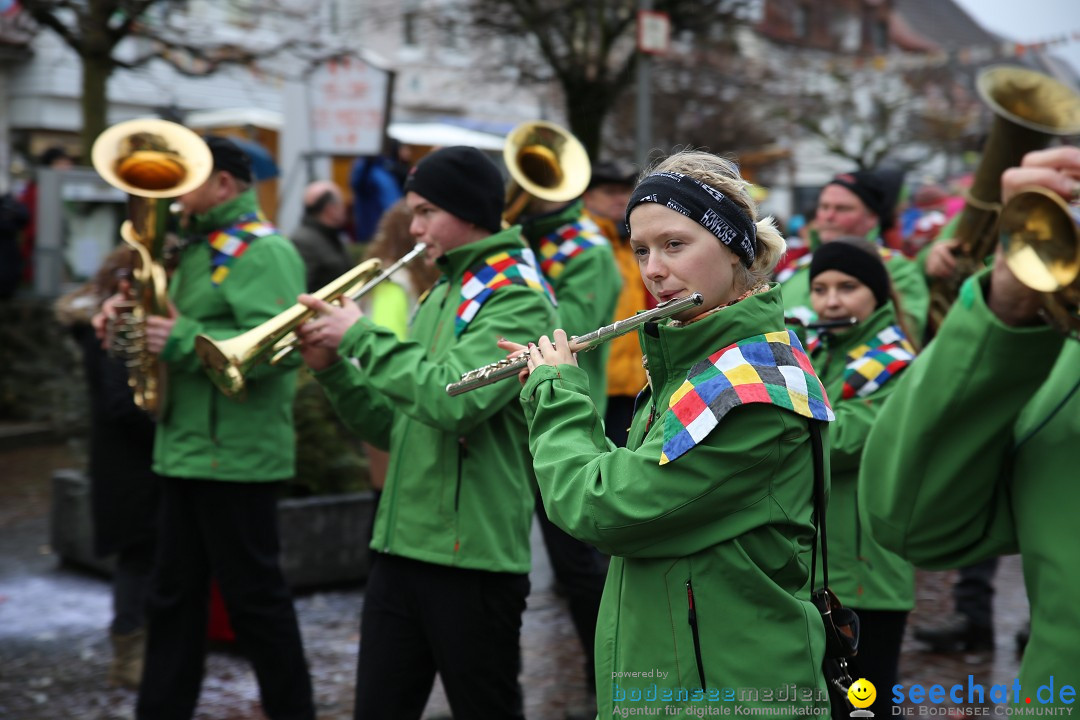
(95, 99)
(586, 108)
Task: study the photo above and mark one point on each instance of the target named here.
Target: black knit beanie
(856, 258)
(868, 187)
(462, 181)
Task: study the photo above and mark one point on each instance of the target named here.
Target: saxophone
(152, 161)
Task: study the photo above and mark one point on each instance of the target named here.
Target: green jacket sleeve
(261, 284)
(587, 296)
(623, 501)
(854, 420)
(363, 411)
(934, 481)
(416, 384)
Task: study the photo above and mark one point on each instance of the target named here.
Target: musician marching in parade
(450, 578)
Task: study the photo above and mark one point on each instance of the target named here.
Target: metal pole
(644, 101)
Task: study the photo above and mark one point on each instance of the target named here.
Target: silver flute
(507, 368)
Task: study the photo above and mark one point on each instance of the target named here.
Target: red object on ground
(219, 629)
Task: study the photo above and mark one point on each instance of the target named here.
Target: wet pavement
(54, 649)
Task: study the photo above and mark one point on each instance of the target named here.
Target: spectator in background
(54, 158)
(123, 488)
(376, 182)
(13, 217)
(319, 238)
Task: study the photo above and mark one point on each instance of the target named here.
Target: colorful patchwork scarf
(557, 248)
(871, 364)
(770, 368)
(515, 267)
(227, 244)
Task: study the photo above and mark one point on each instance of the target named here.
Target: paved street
(54, 651)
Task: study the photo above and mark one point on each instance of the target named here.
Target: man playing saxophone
(450, 575)
(222, 461)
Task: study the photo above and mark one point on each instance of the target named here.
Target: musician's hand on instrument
(1056, 169)
(552, 352)
(107, 312)
(158, 329)
(940, 261)
(327, 329)
(514, 351)
(317, 358)
(1013, 302)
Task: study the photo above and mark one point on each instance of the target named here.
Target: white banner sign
(347, 105)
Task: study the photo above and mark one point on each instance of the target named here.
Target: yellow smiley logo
(862, 693)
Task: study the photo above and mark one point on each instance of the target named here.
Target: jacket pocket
(462, 453)
(691, 618)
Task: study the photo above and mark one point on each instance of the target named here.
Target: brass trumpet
(507, 368)
(228, 362)
(1040, 234)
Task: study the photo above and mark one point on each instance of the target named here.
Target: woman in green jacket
(707, 513)
(857, 364)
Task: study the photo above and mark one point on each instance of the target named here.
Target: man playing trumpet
(450, 576)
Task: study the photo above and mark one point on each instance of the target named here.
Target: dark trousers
(131, 585)
(880, 634)
(419, 619)
(617, 419)
(973, 593)
(580, 569)
(227, 530)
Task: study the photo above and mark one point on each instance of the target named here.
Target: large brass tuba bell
(1029, 109)
(1040, 235)
(545, 161)
(152, 161)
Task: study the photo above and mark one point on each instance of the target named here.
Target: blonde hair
(723, 175)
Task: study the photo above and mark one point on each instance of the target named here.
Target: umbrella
(263, 166)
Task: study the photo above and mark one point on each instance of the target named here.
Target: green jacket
(861, 572)
(587, 288)
(731, 517)
(975, 456)
(459, 489)
(202, 433)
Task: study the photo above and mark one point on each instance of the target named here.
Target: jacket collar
(541, 225)
(225, 214)
(672, 351)
(843, 342)
(454, 263)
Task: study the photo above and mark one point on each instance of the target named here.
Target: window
(410, 23)
(800, 21)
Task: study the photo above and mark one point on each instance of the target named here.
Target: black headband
(703, 204)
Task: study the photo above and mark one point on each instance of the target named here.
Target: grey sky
(1031, 21)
